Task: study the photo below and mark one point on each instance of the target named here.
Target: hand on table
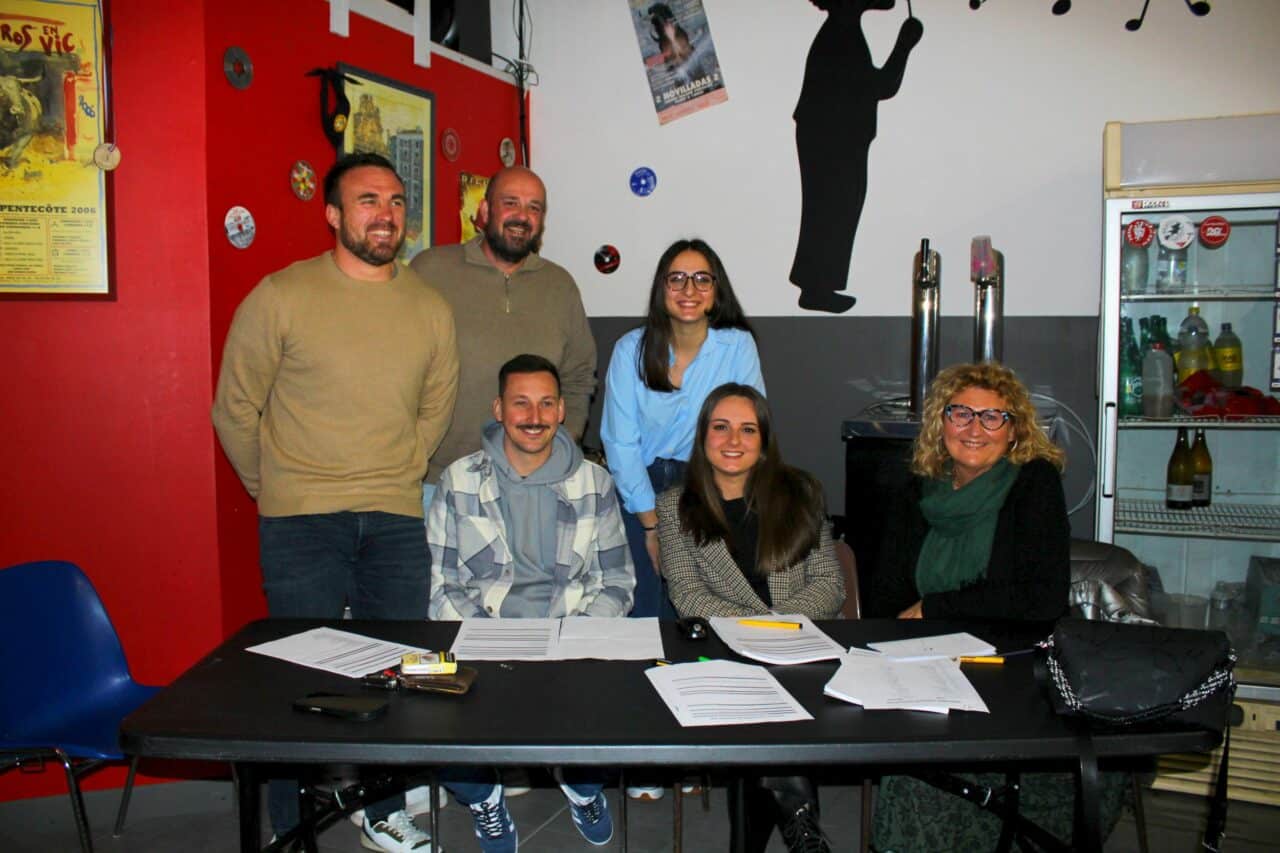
(915, 611)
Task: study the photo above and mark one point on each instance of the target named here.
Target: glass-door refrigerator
(1190, 245)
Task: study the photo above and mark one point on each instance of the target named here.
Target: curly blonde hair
(930, 457)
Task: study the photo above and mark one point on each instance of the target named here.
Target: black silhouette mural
(835, 123)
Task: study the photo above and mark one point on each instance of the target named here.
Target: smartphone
(343, 706)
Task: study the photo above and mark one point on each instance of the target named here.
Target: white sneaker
(646, 793)
(416, 801)
(397, 834)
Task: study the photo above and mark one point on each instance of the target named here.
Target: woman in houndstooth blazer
(747, 534)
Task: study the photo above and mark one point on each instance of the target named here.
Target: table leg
(248, 798)
(738, 811)
(433, 790)
(307, 815)
(1088, 825)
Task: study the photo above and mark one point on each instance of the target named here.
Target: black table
(235, 706)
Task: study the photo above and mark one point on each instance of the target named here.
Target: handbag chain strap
(1221, 677)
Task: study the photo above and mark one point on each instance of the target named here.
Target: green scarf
(962, 525)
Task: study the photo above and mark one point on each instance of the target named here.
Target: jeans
(651, 589)
(315, 565)
(475, 784)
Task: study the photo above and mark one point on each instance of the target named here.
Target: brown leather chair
(852, 608)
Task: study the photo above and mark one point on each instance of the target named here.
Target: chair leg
(1139, 816)
(622, 805)
(77, 803)
(677, 817)
(864, 834)
(124, 799)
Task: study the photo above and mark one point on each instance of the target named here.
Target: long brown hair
(653, 357)
(787, 501)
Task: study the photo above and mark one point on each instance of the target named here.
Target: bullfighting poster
(53, 214)
(679, 57)
(471, 189)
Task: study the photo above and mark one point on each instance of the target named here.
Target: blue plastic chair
(64, 682)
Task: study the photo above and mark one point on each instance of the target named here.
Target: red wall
(256, 134)
(108, 456)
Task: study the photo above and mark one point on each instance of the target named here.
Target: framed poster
(53, 196)
(396, 121)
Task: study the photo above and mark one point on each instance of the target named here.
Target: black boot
(801, 832)
(760, 817)
(798, 814)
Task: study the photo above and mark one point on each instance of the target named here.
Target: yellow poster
(471, 189)
(395, 120)
(53, 217)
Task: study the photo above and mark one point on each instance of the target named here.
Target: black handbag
(1114, 674)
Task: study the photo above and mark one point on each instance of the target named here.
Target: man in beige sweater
(508, 300)
(338, 380)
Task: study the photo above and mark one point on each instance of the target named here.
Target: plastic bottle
(1174, 234)
(1133, 268)
(1130, 371)
(1195, 351)
(1229, 354)
(1157, 382)
(1202, 472)
(1181, 471)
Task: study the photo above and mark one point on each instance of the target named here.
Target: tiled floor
(199, 817)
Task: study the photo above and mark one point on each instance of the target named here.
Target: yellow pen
(770, 623)
(993, 659)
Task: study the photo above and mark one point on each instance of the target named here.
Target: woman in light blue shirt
(694, 339)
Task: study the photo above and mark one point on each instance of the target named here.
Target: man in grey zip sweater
(527, 528)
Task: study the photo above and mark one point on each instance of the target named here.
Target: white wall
(997, 130)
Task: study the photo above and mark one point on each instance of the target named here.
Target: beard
(511, 249)
(377, 255)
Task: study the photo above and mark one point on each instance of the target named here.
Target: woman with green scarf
(982, 530)
(981, 533)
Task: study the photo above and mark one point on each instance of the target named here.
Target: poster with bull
(679, 57)
(52, 194)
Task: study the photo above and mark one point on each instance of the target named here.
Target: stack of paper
(343, 652)
(941, 646)
(911, 675)
(723, 693)
(771, 638)
(570, 638)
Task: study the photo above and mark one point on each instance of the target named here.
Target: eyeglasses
(702, 281)
(991, 419)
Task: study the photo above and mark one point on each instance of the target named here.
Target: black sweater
(1027, 576)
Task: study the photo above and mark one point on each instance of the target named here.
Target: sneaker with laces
(416, 801)
(645, 793)
(593, 820)
(494, 826)
(802, 834)
(397, 833)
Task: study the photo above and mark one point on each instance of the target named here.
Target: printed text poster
(679, 56)
(53, 217)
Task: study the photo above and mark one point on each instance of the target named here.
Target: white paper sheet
(605, 638)
(940, 646)
(724, 693)
(878, 682)
(776, 645)
(572, 638)
(343, 652)
(506, 639)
